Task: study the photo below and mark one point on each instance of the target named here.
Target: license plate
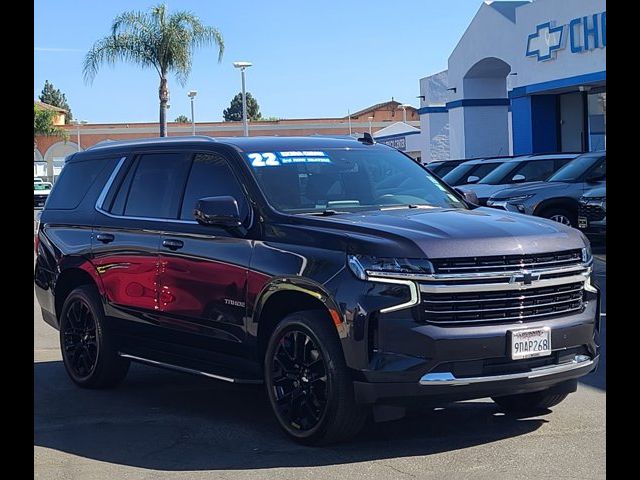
(583, 222)
(533, 342)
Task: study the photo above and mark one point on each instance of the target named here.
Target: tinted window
(211, 176)
(534, 170)
(74, 182)
(444, 168)
(346, 180)
(156, 186)
(576, 169)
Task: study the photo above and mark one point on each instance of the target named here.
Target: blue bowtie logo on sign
(545, 41)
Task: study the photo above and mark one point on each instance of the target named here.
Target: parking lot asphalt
(159, 424)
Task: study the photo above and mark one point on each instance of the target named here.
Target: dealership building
(526, 77)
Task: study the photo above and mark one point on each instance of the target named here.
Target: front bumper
(444, 387)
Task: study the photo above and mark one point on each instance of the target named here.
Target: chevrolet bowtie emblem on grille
(525, 277)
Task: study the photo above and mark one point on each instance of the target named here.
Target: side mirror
(518, 178)
(469, 196)
(595, 178)
(219, 211)
(473, 179)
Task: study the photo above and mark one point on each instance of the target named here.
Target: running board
(179, 368)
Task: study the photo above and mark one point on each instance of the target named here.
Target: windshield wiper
(323, 213)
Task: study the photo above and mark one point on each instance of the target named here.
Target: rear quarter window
(74, 182)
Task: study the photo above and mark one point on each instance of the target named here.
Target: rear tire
(561, 215)
(529, 402)
(308, 382)
(88, 352)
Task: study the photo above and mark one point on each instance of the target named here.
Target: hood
(442, 233)
(484, 190)
(596, 192)
(531, 188)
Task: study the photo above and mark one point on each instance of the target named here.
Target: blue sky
(311, 58)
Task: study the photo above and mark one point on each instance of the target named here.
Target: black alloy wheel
(299, 380)
(90, 356)
(79, 339)
(308, 383)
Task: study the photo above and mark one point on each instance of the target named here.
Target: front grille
(39, 200)
(593, 213)
(502, 306)
(507, 263)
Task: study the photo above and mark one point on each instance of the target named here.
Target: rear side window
(211, 176)
(74, 182)
(153, 186)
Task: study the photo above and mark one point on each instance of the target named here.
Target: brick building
(51, 151)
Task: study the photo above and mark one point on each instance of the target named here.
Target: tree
(53, 96)
(43, 125)
(154, 39)
(182, 119)
(234, 112)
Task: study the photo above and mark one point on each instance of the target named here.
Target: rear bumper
(444, 387)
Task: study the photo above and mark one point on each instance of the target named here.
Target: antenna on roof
(367, 139)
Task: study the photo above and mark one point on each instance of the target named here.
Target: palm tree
(156, 40)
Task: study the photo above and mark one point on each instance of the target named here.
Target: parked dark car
(592, 212)
(520, 170)
(557, 198)
(341, 274)
(441, 168)
(473, 170)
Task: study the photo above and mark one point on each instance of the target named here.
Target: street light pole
(77, 124)
(192, 95)
(370, 119)
(245, 124)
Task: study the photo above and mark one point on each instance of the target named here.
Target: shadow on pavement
(166, 421)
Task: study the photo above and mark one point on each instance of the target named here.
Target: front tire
(529, 402)
(561, 215)
(88, 353)
(308, 382)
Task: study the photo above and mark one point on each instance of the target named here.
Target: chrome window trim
(447, 378)
(413, 290)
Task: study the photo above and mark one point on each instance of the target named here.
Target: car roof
(243, 144)
(544, 156)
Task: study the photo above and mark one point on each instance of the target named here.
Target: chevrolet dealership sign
(580, 34)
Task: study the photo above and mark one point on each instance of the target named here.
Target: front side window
(211, 176)
(346, 180)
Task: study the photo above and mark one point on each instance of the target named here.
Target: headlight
(364, 266)
(519, 198)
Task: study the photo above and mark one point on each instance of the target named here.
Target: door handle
(172, 244)
(105, 237)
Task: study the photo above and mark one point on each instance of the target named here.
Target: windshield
(442, 168)
(574, 170)
(339, 180)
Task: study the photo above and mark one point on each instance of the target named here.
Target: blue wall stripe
(559, 83)
(478, 102)
(432, 110)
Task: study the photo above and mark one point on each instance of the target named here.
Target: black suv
(338, 272)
